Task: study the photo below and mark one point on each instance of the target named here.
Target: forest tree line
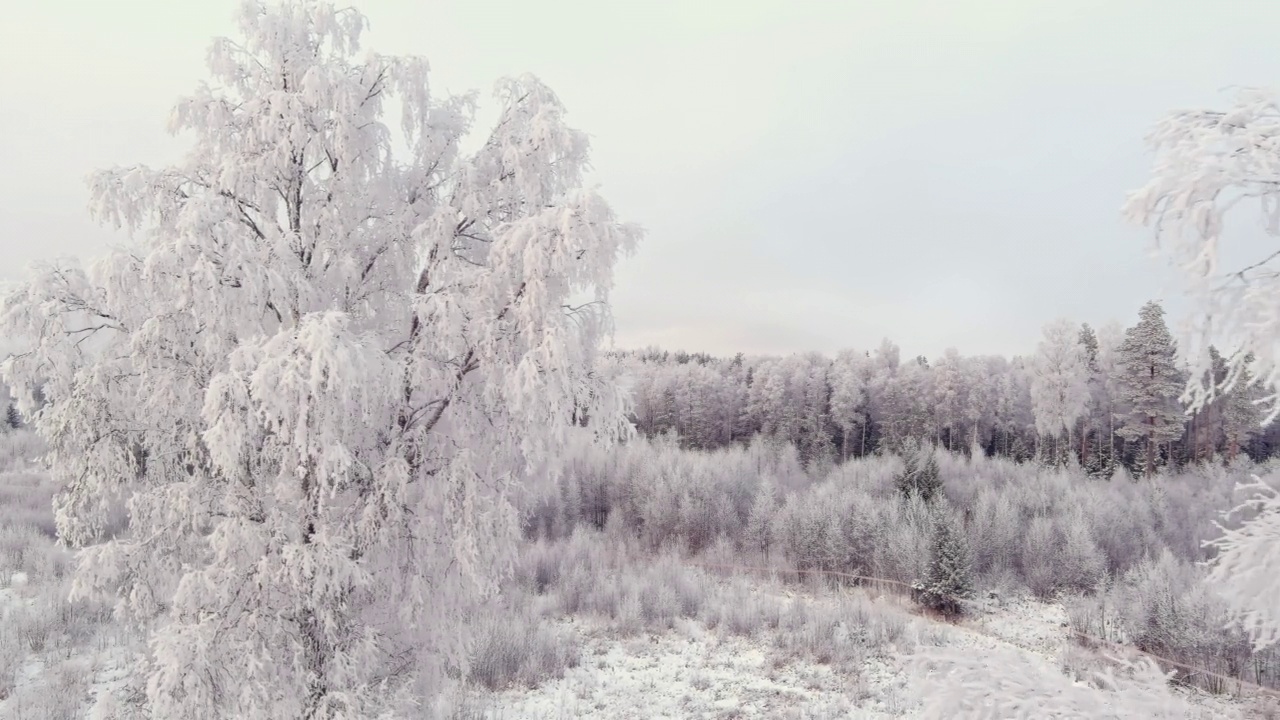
(1101, 398)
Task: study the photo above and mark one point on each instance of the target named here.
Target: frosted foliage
(1246, 571)
(1150, 384)
(849, 378)
(1207, 164)
(315, 375)
(1060, 380)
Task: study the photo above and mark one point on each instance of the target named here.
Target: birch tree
(1059, 384)
(1210, 163)
(849, 375)
(317, 372)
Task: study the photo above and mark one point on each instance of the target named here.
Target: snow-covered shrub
(957, 684)
(820, 632)
(739, 609)
(902, 555)
(584, 575)
(59, 695)
(26, 499)
(12, 655)
(1164, 607)
(512, 648)
(995, 534)
(804, 528)
(1060, 555)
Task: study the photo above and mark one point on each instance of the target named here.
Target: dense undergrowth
(1124, 555)
(631, 537)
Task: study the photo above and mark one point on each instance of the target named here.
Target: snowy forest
(1102, 400)
(340, 433)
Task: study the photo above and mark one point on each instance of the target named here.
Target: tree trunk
(1084, 445)
(1151, 446)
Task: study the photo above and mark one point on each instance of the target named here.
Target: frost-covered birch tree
(317, 371)
(849, 379)
(1059, 382)
(1209, 164)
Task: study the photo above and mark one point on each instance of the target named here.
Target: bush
(515, 650)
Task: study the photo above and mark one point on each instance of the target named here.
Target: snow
(690, 672)
(693, 672)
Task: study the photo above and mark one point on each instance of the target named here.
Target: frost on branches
(1207, 163)
(1059, 384)
(316, 375)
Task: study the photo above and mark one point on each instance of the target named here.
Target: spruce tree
(1150, 384)
(948, 579)
(920, 470)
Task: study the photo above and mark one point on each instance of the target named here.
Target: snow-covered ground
(693, 672)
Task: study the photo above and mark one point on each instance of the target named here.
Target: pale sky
(812, 175)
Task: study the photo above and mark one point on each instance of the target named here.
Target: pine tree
(949, 578)
(1150, 384)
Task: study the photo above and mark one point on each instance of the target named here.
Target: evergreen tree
(1088, 340)
(1150, 384)
(949, 578)
(1241, 414)
(1207, 432)
(920, 470)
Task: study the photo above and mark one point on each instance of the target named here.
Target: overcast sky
(812, 175)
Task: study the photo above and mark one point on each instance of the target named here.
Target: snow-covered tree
(948, 580)
(1247, 570)
(1106, 392)
(1088, 421)
(920, 475)
(1150, 384)
(1060, 382)
(950, 397)
(1240, 411)
(316, 374)
(1209, 162)
(849, 380)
